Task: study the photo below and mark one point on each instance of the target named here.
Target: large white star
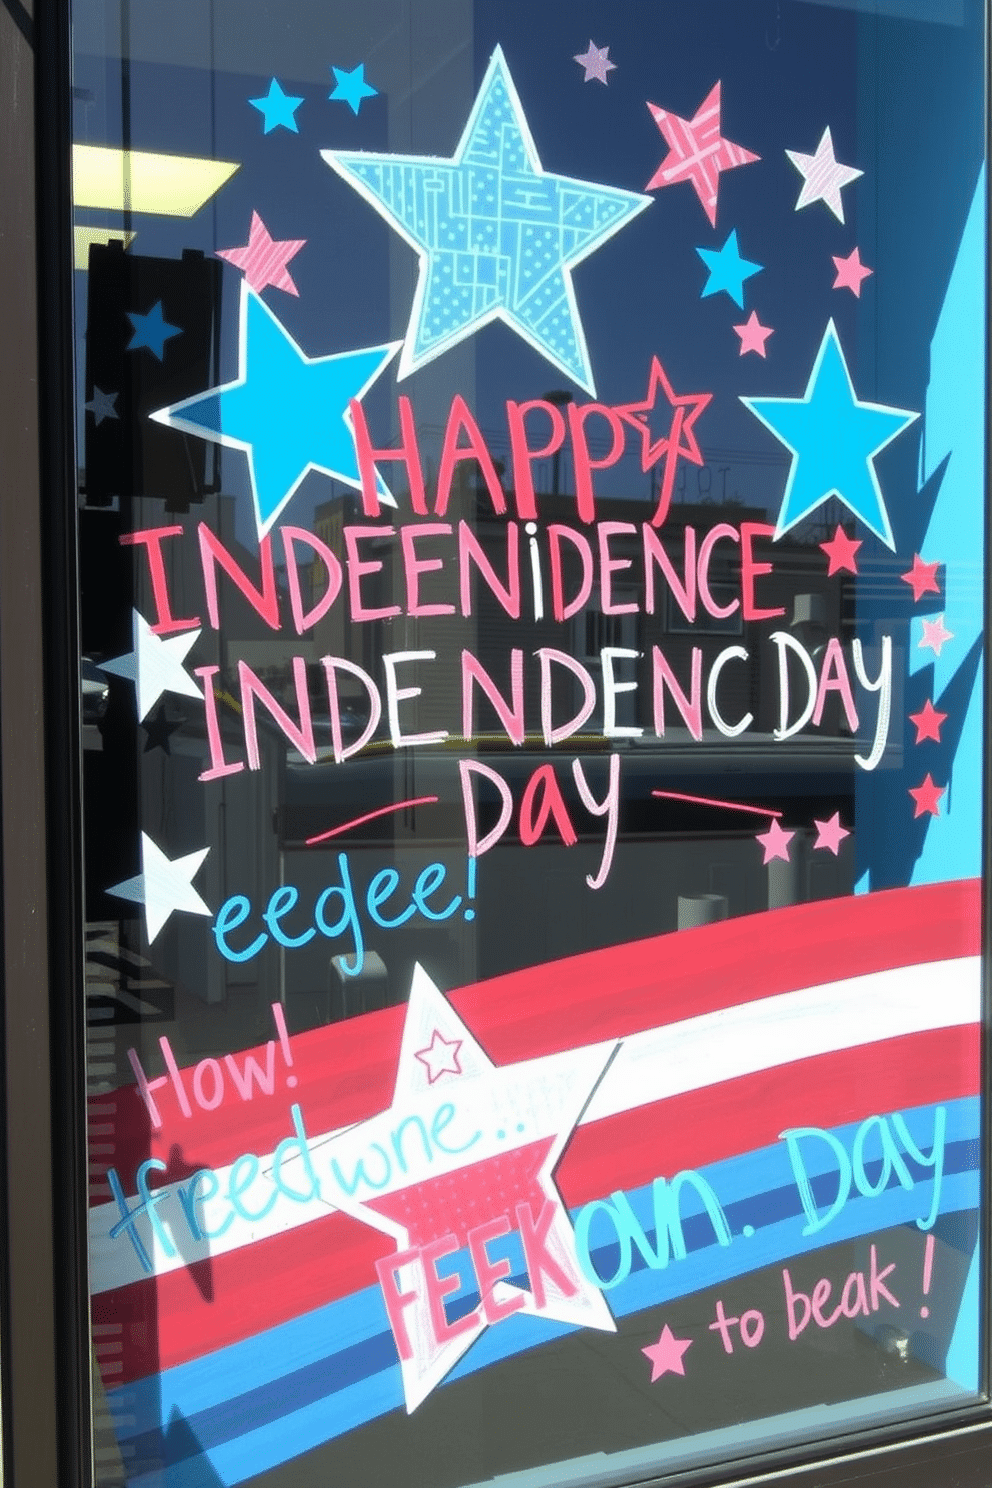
(823, 176)
(163, 885)
(155, 665)
(450, 1174)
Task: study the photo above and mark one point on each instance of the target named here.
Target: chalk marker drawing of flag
(482, 1134)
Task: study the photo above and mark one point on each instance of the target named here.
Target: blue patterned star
(278, 109)
(151, 330)
(351, 87)
(288, 412)
(833, 438)
(728, 270)
(497, 235)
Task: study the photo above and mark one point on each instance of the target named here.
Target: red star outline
(680, 439)
(436, 1067)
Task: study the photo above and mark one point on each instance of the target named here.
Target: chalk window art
(532, 564)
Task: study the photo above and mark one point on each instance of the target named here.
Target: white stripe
(651, 1066)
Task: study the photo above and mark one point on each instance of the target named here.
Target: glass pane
(531, 479)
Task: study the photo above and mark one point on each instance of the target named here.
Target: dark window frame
(44, 1336)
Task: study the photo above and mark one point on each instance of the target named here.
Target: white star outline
(410, 361)
(171, 419)
(546, 1096)
(885, 531)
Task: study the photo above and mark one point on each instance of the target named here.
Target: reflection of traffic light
(133, 367)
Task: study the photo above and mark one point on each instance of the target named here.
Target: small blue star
(727, 270)
(151, 330)
(278, 109)
(833, 439)
(497, 234)
(288, 412)
(351, 87)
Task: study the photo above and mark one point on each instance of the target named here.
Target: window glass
(531, 527)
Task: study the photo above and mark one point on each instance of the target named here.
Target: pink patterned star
(841, 550)
(927, 723)
(935, 634)
(263, 259)
(775, 843)
(440, 1057)
(753, 335)
(921, 578)
(926, 797)
(830, 834)
(697, 151)
(667, 1354)
(850, 272)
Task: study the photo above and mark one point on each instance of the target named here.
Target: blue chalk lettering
(283, 900)
(935, 1160)
(792, 1138)
(300, 1143)
(238, 1185)
(443, 1117)
(361, 1173)
(189, 1198)
(382, 886)
(348, 917)
(428, 882)
(232, 913)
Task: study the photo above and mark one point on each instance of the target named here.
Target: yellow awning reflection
(139, 181)
(83, 239)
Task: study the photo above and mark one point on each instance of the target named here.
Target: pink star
(850, 272)
(775, 843)
(921, 578)
(926, 797)
(440, 1057)
(596, 62)
(927, 722)
(680, 441)
(263, 260)
(666, 1355)
(935, 633)
(841, 550)
(753, 335)
(697, 151)
(830, 834)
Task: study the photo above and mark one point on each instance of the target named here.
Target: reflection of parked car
(94, 690)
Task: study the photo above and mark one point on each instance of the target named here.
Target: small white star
(155, 665)
(823, 176)
(163, 885)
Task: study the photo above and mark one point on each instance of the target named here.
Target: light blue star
(833, 439)
(496, 234)
(278, 109)
(287, 411)
(728, 270)
(151, 330)
(351, 87)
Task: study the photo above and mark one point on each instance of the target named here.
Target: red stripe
(346, 1072)
(185, 1314)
